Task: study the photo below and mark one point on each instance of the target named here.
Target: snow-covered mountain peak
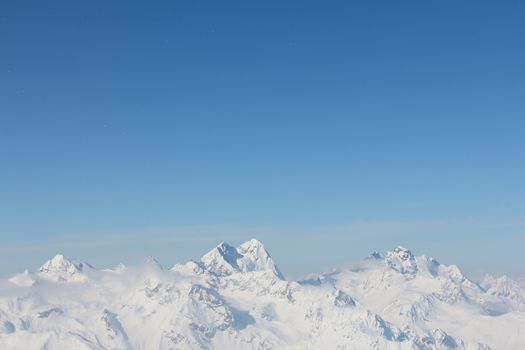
(402, 253)
(402, 260)
(62, 268)
(250, 256)
(221, 260)
(252, 244)
(505, 287)
(405, 262)
(59, 263)
(256, 258)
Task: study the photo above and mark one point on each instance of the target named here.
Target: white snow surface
(236, 298)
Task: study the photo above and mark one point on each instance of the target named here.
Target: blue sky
(325, 129)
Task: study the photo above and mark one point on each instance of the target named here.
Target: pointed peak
(60, 259)
(60, 263)
(62, 268)
(256, 258)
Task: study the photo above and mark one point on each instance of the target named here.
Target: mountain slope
(236, 298)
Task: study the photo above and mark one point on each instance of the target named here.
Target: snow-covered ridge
(236, 298)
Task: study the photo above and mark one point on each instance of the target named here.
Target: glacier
(237, 298)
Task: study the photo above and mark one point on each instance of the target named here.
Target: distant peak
(61, 263)
(60, 259)
(221, 260)
(403, 253)
(256, 258)
(62, 268)
(249, 256)
(402, 260)
(252, 246)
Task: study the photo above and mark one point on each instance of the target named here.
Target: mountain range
(237, 298)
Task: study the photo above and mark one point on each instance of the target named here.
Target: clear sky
(326, 129)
